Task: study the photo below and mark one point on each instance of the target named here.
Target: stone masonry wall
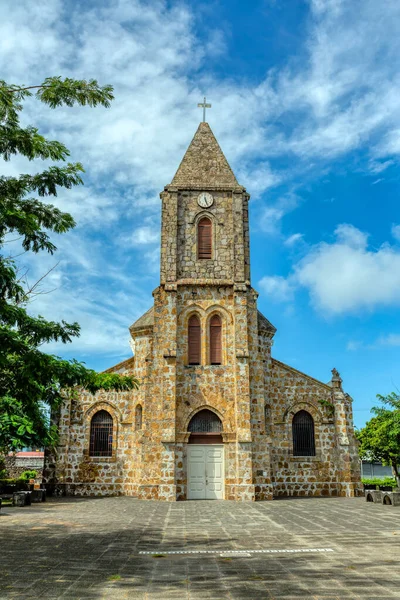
(254, 395)
(290, 391)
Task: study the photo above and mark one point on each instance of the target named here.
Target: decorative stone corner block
(373, 496)
(391, 498)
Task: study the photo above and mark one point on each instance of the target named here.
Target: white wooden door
(205, 472)
(214, 472)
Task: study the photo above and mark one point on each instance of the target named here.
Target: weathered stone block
(373, 496)
(21, 499)
(391, 498)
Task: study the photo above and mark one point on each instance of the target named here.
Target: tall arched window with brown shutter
(215, 340)
(194, 340)
(204, 238)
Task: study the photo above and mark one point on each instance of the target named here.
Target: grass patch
(114, 577)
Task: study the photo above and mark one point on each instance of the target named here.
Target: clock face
(205, 200)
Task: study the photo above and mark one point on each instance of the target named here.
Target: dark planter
(369, 486)
(21, 499)
(386, 488)
(38, 495)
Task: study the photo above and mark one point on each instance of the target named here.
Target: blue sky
(306, 107)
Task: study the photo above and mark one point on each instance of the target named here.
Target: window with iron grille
(194, 340)
(204, 238)
(303, 434)
(215, 340)
(205, 421)
(101, 434)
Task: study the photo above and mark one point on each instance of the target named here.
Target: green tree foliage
(32, 381)
(380, 438)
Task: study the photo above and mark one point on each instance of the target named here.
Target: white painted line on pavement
(244, 551)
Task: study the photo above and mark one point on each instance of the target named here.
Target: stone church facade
(215, 417)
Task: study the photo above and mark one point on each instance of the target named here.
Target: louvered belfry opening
(205, 428)
(101, 434)
(194, 340)
(204, 238)
(303, 434)
(215, 340)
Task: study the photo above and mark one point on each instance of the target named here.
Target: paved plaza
(323, 549)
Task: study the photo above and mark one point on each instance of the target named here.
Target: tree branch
(29, 87)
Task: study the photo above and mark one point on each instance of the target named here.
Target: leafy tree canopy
(32, 381)
(380, 438)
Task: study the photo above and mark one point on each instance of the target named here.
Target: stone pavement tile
(74, 547)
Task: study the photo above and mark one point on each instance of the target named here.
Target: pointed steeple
(204, 164)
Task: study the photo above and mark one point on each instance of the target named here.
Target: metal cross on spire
(204, 105)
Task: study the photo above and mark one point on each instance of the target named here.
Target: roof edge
(289, 368)
(125, 363)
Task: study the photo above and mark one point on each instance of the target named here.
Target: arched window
(215, 340)
(205, 428)
(194, 341)
(303, 434)
(138, 417)
(101, 434)
(204, 238)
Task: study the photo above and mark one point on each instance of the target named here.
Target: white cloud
(353, 345)
(277, 288)
(389, 340)
(378, 167)
(344, 276)
(342, 96)
(270, 217)
(144, 235)
(396, 232)
(294, 239)
(392, 339)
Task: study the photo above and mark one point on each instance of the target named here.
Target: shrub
(379, 481)
(28, 475)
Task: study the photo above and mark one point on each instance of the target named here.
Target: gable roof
(121, 367)
(279, 364)
(264, 324)
(146, 320)
(204, 164)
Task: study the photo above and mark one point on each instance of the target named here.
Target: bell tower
(205, 325)
(204, 199)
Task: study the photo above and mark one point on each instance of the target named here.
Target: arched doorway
(205, 428)
(205, 457)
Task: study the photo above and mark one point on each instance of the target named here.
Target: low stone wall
(15, 465)
(318, 488)
(93, 489)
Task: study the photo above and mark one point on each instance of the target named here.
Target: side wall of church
(289, 392)
(85, 475)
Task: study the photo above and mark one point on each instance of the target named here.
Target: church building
(215, 417)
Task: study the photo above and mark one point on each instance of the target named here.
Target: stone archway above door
(205, 427)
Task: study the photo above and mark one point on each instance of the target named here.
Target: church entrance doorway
(205, 464)
(205, 457)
